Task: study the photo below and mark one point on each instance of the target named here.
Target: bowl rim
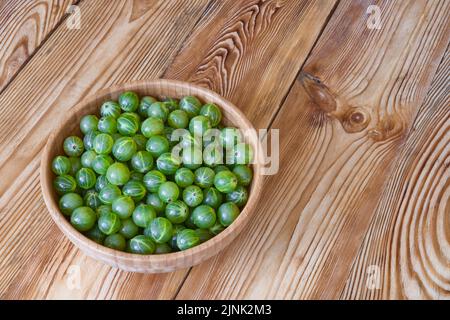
(229, 233)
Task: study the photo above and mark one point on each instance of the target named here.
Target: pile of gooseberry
(153, 176)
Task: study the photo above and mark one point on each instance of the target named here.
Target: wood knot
(355, 119)
(320, 95)
(385, 129)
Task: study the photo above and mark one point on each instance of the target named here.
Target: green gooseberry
(101, 183)
(75, 165)
(190, 141)
(69, 202)
(73, 146)
(199, 125)
(242, 153)
(109, 193)
(86, 178)
(143, 215)
(123, 206)
(87, 157)
(107, 124)
(216, 228)
(173, 240)
(91, 199)
(152, 126)
(158, 110)
(153, 179)
(142, 161)
(204, 216)
(110, 109)
(64, 184)
(116, 136)
(89, 138)
(203, 234)
(88, 123)
(230, 137)
(187, 238)
(191, 105)
(178, 119)
(225, 181)
(83, 218)
(115, 241)
(96, 235)
(171, 104)
(220, 167)
(168, 132)
(129, 101)
(141, 142)
(61, 165)
(134, 189)
(177, 211)
(118, 174)
(103, 143)
(136, 176)
(146, 102)
(156, 203)
(168, 191)
(129, 229)
(142, 244)
(213, 156)
(101, 163)
(104, 208)
(239, 196)
(204, 177)
(109, 223)
(127, 124)
(124, 148)
(212, 112)
(192, 158)
(193, 196)
(227, 213)
(189, 223)
(157, 145)
(160, 230)
(167, 163)
(212, 197)
(162, 248)
(184, 177)
(244, 174)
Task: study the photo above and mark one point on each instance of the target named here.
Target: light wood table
(360, 206)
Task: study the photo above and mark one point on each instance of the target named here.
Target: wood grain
(108, 48)
(341, 128)
(24, 25)
(256, 52)
(88, 75)
(407, 242)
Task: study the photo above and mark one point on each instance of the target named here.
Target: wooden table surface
(360, 207)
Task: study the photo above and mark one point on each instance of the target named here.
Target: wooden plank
(407, 240)
(50, 280)
(253, 40)
(24, 25)
(114, 45)
(338, 139)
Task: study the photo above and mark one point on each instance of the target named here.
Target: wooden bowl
(146, 263)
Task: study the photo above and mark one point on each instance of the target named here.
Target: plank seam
(328, 18)
(283, 100)
(408, 135)
(35, 51)
(181, 47)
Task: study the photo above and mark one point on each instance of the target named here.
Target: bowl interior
(146, 263)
